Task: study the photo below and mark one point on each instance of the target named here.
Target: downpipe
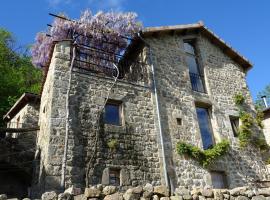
(158, 112)
(64, 161)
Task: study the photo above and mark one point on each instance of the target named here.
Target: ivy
(206, 157)
(239, 99)
(245, 131)
(112, 144)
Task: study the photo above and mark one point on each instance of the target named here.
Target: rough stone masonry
(138, 157)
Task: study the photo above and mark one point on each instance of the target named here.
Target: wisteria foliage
(103, 26)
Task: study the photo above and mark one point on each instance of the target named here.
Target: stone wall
(266, 130)
(138, 156)
(224, 78)
(52, 120)
(25, 118)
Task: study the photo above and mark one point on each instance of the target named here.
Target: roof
(200, 27)
(20, 103)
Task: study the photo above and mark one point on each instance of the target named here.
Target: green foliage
(259, 117)
(239, 99)
(245, 132)
(112, 144)
(17, 74)
(207, 157)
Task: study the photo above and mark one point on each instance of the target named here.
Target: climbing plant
(112, 144)
(104, 28)
(249, 123)
(206, 157)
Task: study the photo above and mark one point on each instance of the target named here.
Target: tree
(17, 74)
(264, 92)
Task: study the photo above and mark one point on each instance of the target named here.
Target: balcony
(197, 82)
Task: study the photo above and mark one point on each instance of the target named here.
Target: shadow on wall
(14, 181)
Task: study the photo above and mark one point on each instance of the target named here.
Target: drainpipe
(158, 112)
(64, 161)
(264, 100)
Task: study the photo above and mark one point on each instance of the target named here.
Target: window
(196, 77)
(235, 125)
(114, 177)
(205, 127)
(112, 114)
(179, 121)
(219, 179)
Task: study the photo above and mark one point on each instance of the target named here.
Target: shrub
(112, 144)
(239, 99)
(207, 157)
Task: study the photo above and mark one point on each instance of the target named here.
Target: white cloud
(116, 5)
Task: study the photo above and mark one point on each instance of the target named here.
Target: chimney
(264, 100)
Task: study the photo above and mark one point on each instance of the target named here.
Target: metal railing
(197, 82)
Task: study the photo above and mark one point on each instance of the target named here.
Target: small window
(112, 114)
(219, 180)
(179, 121)
(235, 125)
(205, 127)
(114, 177)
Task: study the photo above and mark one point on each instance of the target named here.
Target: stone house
(266, 123)
(124, 132)
(17, 146)
(24, 115)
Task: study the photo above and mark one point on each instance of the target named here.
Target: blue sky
(244, 24)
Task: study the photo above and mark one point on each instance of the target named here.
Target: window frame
(117, 177)
(209, 116)
(120, 111)
(232, 120)
(224, 178)
(200, 74)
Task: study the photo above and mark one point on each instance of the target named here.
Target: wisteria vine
(103, 26)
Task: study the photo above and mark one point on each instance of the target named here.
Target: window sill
(114, 128)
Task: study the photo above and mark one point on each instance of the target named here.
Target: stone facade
(223, 79)
(266, 123)
(27, 117)
(138, 156)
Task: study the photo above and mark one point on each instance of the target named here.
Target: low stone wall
(149, 192)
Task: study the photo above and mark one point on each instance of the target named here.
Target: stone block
(259, 197)
(49, 196)
(241, 198)
(92, 192)
(183, 191)
(65, 196)
(161, 190)
(208, 193)
(105, 177)
(130, 195)
(176, 198)
(124, 177)
(115, 196)
(264, 191)
(155, 197)
(109, 190)
(73, 190)
(237, 191)
(187, 197)
(3, 197)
